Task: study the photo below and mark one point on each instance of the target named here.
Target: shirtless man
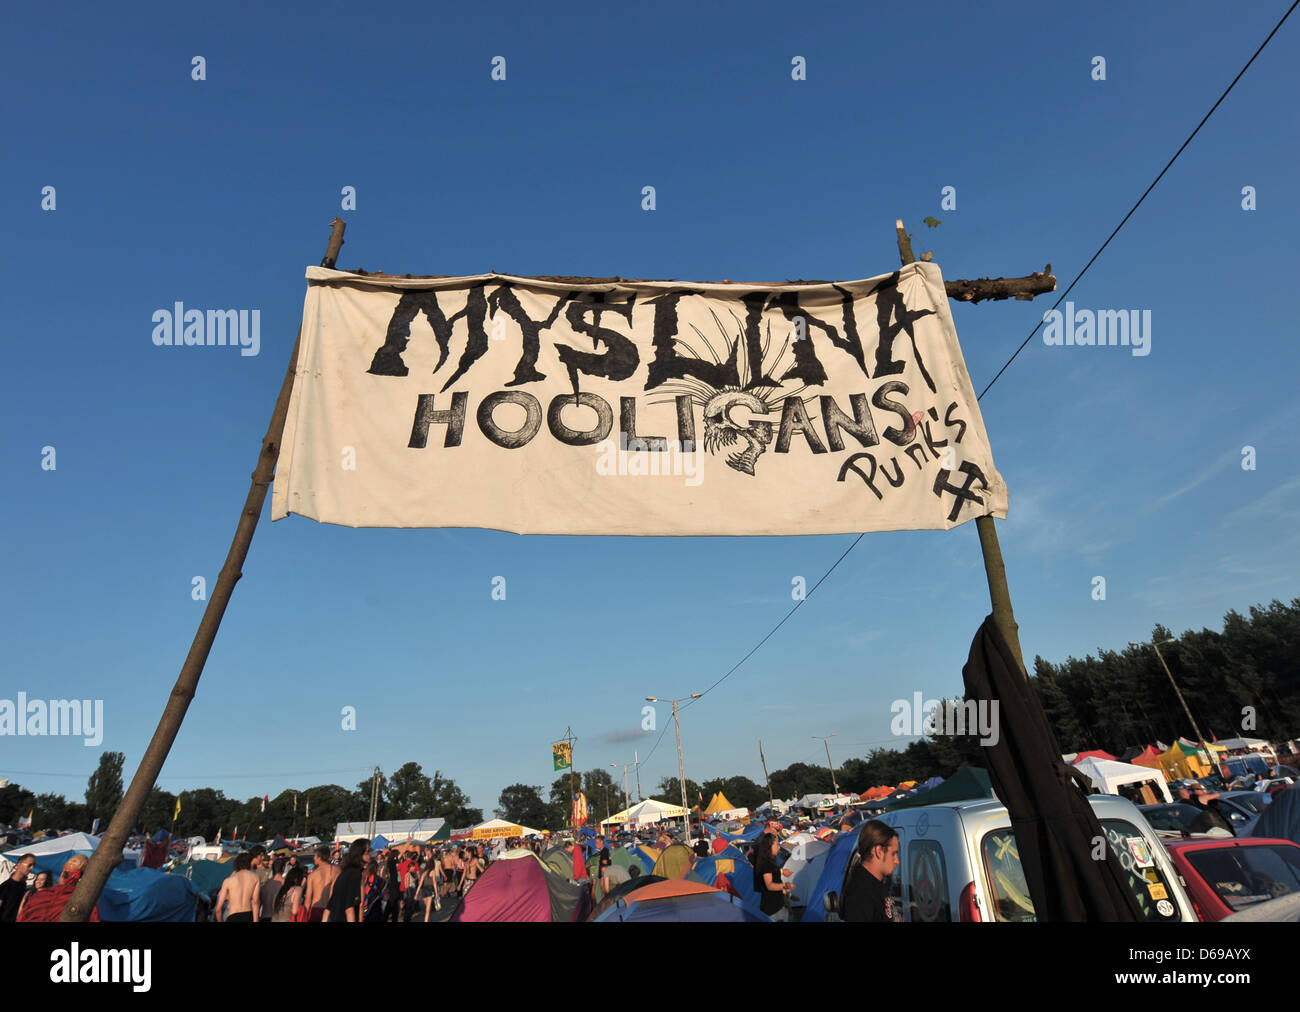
(241, 890)
(450, 871)
(319, 882)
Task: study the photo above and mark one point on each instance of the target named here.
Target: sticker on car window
(1157, 891)
(1141, 852)
(1165, 908)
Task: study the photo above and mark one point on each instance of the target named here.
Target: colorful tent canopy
(679, 901)
(719, 804)
(1095, 753)
(1149, 756)
(495, 829)
(674, 862)
(967, 783)
(520, 888)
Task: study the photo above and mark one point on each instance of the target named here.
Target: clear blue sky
(217, 193)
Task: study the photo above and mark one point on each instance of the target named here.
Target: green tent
(207, 875)
(968, 784)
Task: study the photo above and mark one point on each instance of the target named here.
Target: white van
(959, 862)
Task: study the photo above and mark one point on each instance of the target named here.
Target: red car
(1226, 875)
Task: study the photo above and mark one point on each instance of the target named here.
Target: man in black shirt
(14, 888)
(865, 897)
(345, 896)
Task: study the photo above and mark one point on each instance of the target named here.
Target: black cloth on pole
(1053, 823)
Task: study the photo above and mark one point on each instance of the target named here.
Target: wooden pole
(994, 568)
(771, 804)
(109, 852)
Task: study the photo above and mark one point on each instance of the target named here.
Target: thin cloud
(624, 734)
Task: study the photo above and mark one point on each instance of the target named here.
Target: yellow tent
(719, 804)
(1178, 765)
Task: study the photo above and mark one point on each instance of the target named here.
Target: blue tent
(750, 833)
(740, 875)
(378, 843)
(712, 907)
(160, 836)
(832, 876)
(646, 856)
(145, 894)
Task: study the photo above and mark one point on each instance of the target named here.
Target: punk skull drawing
(721, 430)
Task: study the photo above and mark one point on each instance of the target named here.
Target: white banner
(550, 407)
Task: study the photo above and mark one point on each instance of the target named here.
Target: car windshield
(1248, 799)
(1242, 876)
(1006, 878)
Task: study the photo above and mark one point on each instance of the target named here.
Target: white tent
(1107, 776)
(495, 829)
(396, 831)
(73, 843)
(647, 812)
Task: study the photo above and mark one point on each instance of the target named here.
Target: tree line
(312, 811)
(1243, 681)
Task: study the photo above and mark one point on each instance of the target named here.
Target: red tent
(1095, 753)
(520, 888)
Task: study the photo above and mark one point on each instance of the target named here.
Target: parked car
(1184, 819)
(1225, 876)
(959, 862)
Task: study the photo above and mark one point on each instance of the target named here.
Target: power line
(1171, 161)
(1076, 280)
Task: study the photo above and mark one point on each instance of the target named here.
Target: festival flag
(562, 755)
(94, 828)
(307, 814)
(264, 801)
(177, 813)
(26, 822)
(579, 809)
(236, 836)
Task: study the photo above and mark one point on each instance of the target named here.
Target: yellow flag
(177, 814)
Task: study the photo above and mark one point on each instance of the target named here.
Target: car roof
(1220, 842)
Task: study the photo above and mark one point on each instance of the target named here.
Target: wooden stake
(771, 804)
(994, 568)
(109, 852)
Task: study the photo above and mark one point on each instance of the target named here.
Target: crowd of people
(413, 882)
(354, 883)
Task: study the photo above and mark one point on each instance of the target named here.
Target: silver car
(959, 862)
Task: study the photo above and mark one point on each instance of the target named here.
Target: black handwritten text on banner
(634, 407)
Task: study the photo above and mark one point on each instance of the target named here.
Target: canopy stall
(1107, 776)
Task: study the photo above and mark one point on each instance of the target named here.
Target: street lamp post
(825, 740)
(1178, 692)
(626, 803)
(681, 766)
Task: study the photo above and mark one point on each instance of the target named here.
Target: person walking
(392, 890)
(428, 892)
(345, 892)
(767, 878)
(865, 898)
(470, 873)
(288, 905)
